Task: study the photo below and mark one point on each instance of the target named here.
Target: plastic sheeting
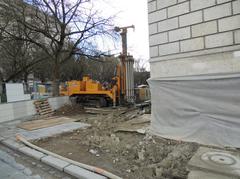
(203, 108)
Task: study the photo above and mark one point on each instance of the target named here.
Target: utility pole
(127, 84)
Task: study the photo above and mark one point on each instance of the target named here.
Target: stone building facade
(189, 37)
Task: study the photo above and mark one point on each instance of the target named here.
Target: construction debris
(94, 152)
(70, 110)
(139, 125)
(113, 142)
(103, 111)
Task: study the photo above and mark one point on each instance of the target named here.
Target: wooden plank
(43, 123)
(40, 102)
(47, 105)
(45, 116)
(45, 110)
(43, 106)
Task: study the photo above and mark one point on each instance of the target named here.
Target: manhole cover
(218, 158)
(216, 161)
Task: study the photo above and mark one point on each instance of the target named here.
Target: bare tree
(140, 72)
(16, 59)
(104, 69)
(17, 56)
(59, 28)
(73, 70)
(140, 65)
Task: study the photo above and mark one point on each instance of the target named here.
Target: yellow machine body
(90, 88)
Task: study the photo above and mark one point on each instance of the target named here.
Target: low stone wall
(58, 102)
(23, 109)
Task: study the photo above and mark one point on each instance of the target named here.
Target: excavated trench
(126, 154)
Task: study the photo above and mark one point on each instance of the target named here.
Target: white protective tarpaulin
(203, 108)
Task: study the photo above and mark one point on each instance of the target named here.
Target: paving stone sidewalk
(13, 165)
(8, 131)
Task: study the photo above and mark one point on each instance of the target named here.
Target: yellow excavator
(121, 89)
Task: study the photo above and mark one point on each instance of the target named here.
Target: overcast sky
(131, 12)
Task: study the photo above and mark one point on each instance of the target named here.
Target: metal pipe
(127, 81)
(130, 78)
(132, 71)
(133, 81)
(124, 41)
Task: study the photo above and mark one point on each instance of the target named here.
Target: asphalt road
(14, 165)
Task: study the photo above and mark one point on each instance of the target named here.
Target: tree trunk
(26, 82)
(56, 79)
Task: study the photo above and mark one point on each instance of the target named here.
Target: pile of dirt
(127, 154)
(69, 110)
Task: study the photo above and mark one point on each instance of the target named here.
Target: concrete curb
(56, 163)
(32, 153)
(11, 143)
(81, 173)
